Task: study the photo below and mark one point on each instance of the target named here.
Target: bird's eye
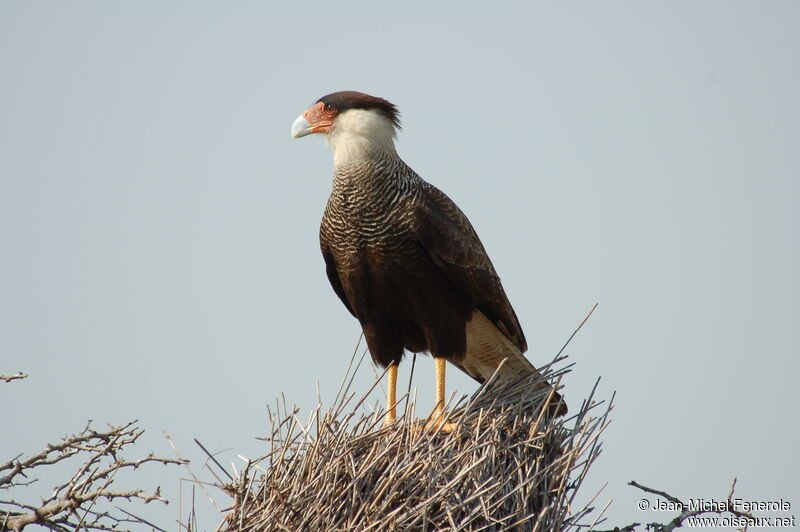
(329, 108)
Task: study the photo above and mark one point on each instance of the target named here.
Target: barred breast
(370, 207)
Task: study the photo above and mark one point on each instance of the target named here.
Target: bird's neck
(353, 149)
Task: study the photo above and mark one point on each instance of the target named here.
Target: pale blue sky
(158, 225)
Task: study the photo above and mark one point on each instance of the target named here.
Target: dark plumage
(402, 257)
(407, 263)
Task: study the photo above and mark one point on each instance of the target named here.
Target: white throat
(360, 134)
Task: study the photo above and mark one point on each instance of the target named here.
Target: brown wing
(454, 246)
(333, 275)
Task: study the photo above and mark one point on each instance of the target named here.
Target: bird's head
(352, 121)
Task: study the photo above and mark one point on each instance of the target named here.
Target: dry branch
(17, 376)
(689, 511)
(508, 466)
(71, 506)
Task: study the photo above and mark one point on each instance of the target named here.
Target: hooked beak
(315, 120)
(301, 127)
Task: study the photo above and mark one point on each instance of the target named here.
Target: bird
(405, 260)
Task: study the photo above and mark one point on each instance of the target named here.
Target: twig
(88, 486)
(211, 456)
(688, 511)
(189, 469)
(571, 336)
(655, 492)
(9, 378)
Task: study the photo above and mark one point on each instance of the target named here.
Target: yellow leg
(391, 395)
(441, 369)
(438, 413)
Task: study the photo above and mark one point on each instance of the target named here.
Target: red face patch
(320, 117)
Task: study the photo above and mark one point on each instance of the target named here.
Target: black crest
(344, 100)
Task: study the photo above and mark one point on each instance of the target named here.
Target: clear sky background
(158, 226)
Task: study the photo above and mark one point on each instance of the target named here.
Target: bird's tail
(488, 347)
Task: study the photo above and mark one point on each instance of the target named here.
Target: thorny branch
(72, 503)
(688, 511)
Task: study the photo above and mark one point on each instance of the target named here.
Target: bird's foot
(441, 425)
(437, 421)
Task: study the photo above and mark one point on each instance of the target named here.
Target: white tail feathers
(487, 346)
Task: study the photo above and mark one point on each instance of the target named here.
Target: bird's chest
(368, 223)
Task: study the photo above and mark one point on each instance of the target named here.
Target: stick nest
(507, 466)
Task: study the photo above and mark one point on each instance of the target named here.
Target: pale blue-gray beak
(301, 127)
